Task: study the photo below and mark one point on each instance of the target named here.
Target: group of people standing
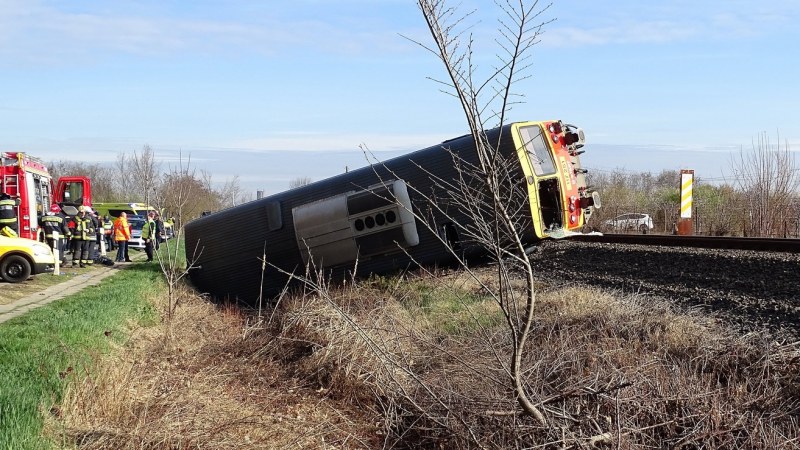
(84, 239)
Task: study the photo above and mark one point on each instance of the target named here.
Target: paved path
(59, 291)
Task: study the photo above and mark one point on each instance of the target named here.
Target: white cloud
(46, 32)
(338, 142)
(673, 21)
(36, 32)
(650, 32)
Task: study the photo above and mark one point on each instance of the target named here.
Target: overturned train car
(364, 220)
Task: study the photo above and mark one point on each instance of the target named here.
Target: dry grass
(198, 383)
(620, 372)
(368, 367)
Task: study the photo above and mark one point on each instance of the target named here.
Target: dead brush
(359, 368)
(202, 386)
(357, 348)
(624, 372)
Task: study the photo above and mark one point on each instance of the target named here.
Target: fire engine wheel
(15, 269)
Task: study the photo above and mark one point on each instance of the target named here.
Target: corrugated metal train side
(337, 218)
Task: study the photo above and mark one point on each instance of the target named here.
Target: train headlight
(572, 218)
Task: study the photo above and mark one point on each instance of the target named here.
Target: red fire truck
(26, 180)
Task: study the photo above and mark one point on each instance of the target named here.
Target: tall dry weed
(627, 372)
(364, 367)
(195, 382)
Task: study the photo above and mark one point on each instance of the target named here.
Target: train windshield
(538, 153)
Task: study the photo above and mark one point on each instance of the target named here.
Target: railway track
(751, 284)
(718, 242)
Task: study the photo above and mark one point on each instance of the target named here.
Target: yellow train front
(412, 210)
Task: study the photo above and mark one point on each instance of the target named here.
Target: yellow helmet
(81, 208)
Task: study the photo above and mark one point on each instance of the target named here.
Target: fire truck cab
(26, 180)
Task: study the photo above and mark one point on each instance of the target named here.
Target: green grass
(42, 350)
(451, 310)
(173, 253)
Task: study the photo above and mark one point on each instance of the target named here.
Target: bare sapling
(485, 192)
(179, 183)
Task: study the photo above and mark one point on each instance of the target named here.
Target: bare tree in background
(203, 196)
(141, 178)
(641, 192)
(716, 207)
(102, 177)
(299, 181)
(147, 173)
(769, 181)
(125, 177)
(231, 193)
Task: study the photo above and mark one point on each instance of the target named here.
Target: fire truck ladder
(10, 182)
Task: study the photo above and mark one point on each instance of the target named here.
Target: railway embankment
(418, 361)
(752, 290)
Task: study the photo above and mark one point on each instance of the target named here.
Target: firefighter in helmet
(55, 221)
(84, 237)
(8, 213)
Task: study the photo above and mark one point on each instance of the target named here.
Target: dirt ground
(11, 292)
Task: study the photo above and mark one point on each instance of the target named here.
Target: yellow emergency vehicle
(113, 209)
(20, 258)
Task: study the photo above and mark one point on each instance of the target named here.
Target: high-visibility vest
(84, 228)
(149, 229)
(122, 231)
(8, 215)
(53, 222)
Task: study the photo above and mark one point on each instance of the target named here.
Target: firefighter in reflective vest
(84, 237)
(108, 229)
(148, 234)
(8, 213)
(55, 221)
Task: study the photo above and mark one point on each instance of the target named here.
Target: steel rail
(719, 242)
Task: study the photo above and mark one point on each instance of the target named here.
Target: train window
(274, 216)
(538, 152)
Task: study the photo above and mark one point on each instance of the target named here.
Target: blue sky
(274, 90)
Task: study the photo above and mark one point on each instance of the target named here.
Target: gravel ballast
(753, 291)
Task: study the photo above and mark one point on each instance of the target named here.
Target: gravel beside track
(753, 291)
